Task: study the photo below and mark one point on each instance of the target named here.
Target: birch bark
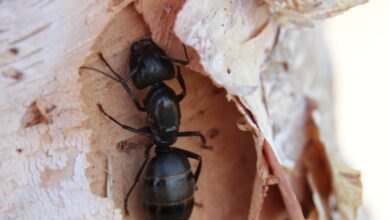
(259, 88)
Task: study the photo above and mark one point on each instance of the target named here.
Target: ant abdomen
(169, 187)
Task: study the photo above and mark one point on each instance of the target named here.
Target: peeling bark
(258, 88)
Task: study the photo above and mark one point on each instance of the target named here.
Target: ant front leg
(196, 134)
(117, 79)
(123, 82)
(182, 84)
(141, 131)
(194, 156)
(147, 156)
(181, 62)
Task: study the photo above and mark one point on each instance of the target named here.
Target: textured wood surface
(255, 77)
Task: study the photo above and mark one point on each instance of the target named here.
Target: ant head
(149, 63)
(142, 46)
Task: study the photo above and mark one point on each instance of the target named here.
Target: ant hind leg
(194, 156)
(147, 156)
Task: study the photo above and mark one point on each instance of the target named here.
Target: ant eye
(135, 46)
(146, 42)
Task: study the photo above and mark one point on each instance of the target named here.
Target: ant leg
(181, 62)
(146, 155)
(194, 134)
(138, 131)
(127, 145)
(100, 71)
(179, 77)
(127, 77)
(119, 79)
(132, 96)
(123, 83)
(109, 66)
(186, 54)
(194, 156)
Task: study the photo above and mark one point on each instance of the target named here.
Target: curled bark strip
(292, 205)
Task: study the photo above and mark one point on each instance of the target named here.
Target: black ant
(169, 182)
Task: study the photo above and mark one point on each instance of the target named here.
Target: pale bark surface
(259, 88)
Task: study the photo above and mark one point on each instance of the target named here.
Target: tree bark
(259, 88)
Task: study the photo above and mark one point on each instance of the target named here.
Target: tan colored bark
(263, 102)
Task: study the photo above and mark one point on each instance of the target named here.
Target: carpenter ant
(169, 182)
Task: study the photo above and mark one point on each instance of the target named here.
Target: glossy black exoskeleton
(169, 182)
